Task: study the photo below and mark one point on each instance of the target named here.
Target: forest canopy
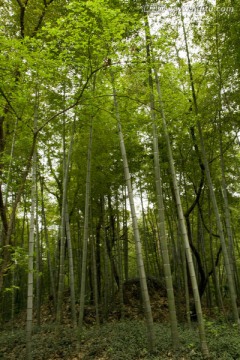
(119, 158)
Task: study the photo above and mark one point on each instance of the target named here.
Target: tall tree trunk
(222, 166)
(160, 203)
(38, 265)
(107, 277)
(111, 240)
(141, 270)
(98, 247)
(220, 230)
(186, 287)
(86, 230)
(95, 281)
(31, 247)
(197, 301)
(231, 283)
(66, 165)
(125, 235)
(61, 273)
(50, 268)
(119, 263)
(145, 235)
(227, 213)
(71, 268)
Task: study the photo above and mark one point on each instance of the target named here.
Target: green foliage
(11, 289)
(122, 340)
(46, 343)
(20, 257)
(66, 41)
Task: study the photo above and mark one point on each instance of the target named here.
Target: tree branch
(22, 15)
(19, 3)
(9, 103)
(198, 194)
(76, 102)
(41, 17)
(205, 226)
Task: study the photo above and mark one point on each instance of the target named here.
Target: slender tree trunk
(3, 213)
(86, 231)
(66, 165)
(119, 260)
(197, 301)
(106, 276)
(125, 236)
(13, 299)
(111, 240)
(220, 230)
(222, 165)
(218, 295)
(163, 242)
(31, 250)
(38, 265)
(141, 270)
(50, 268)
(95, 281)
(145, 235)
(211, 188)
(160, 204)
(98, 247)
(232, 259)
(61, 274)
(71, 269)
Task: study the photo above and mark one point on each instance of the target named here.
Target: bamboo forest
(119, 179)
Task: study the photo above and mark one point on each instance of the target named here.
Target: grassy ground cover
(120, 340)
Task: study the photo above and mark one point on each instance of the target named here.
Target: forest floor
(117, 339)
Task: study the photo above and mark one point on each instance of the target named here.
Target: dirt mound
(131, 288)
